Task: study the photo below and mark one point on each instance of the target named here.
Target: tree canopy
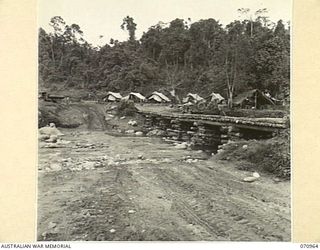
(181, 56)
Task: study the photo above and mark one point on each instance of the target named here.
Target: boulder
(250, 179)
(182, 145)
(255, 176)
(132, 123)
(55, 166)
(156, 132)
(52, 138)
(130, 131)
(42, 137)
(50, 131)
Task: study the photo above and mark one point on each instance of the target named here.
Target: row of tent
(137, 97)
(254, 98)
(158, 97)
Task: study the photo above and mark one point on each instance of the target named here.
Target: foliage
(179, 57)
(271, 155)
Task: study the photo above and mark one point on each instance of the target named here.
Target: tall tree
(129, 24)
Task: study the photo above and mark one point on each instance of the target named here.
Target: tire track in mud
(253, 194)
(191, 209)
(221, 217)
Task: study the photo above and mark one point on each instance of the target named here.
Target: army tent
(216, 96)
(136, 97)
(158, 97)
(193, 98)
(252, 98)
(112, 97)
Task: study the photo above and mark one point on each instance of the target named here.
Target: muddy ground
(120, 188)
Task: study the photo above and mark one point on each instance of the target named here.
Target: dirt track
(144, 189)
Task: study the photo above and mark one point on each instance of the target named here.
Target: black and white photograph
(164, 120)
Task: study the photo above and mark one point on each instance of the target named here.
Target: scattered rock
(85, 132)
(52, 225)
(112, 163)
(276, 179)
(249, 179)
(52, 138)
(219, 151)
(255, 176)
(88, 165)
(130, 131)
(192, 160)
(156, 132)
(122, 117)
(182, 145)
(98, 165)
(139, 133)
(50, 130)
(166, 160)
(43, 137)
(112, 230)
(63, 142)
(55, 166)
(140, 157)
(132, 123)
(245, 146)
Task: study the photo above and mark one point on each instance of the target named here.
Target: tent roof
(243, 96)
(116, 95)
(248, 94)
(195, 96)
(216, 96)
(138, 95)
(162, 96)
(155, 97)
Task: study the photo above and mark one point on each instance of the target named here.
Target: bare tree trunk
(231, 78)
(228, 83)
(52, 52)
(251, 27)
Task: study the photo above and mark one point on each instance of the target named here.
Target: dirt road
(101, 187)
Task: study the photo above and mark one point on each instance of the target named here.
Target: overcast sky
(104, 17)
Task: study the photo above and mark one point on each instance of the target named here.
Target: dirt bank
(86, 115)
(101, 187)
(268, 155)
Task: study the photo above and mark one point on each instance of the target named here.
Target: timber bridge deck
(265, 124)
(212, 130)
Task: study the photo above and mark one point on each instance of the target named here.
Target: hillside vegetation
(180, 56)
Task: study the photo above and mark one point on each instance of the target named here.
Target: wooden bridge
(265, 124)
(212, 129)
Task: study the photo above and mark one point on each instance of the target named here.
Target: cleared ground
(102, 187)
